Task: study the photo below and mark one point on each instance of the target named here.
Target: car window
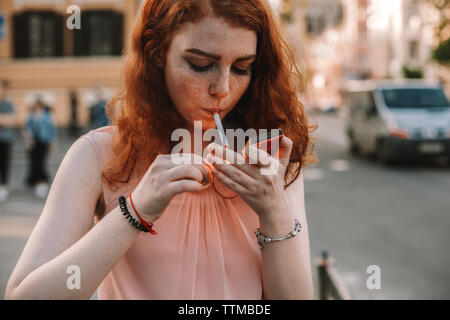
(414, 98)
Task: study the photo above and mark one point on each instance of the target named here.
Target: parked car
(398, 119)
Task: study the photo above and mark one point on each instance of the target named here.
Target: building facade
(43, 54)
(341, 40)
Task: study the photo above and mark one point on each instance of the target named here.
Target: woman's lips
(212, 111)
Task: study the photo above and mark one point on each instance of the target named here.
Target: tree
(441, 54)
(443, 7)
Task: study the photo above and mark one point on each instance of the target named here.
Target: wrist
(128, 218)
(279, 210)
(277, 224)
(130, 209)
(136, 207)
(139, 222)
(127, 212)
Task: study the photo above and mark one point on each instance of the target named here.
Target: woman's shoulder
(106, 130)
(101, 135)
(101, 141)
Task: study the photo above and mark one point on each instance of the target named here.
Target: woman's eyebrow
(216, 57)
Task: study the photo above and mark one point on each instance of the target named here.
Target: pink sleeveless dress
(205, 247)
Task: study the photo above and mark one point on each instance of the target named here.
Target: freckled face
(208, 68)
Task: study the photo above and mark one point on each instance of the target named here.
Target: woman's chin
(204, 124)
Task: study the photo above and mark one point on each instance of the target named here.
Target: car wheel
(354, 149)
(381, 154)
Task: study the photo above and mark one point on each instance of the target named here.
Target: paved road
(396, 218)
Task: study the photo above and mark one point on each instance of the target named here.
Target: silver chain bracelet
(263, 238)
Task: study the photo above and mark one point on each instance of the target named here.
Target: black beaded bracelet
(123, 207)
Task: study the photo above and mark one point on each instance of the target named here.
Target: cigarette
(223, 137)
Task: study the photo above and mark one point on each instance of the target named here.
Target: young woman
(187, 60)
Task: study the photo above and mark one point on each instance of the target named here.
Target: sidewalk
(19, 214)
(22, 200)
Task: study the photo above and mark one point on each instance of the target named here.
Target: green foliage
(412, 73)
(441, 54)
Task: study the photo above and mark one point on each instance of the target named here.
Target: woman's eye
(199, 68)
(241, 72)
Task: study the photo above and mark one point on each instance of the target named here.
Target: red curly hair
(145, 115)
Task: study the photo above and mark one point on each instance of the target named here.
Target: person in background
(40, 137)
(7, 123)
(73, 113)
(98, 110)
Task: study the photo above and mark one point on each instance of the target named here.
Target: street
(364, 214)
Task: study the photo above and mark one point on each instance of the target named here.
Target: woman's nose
(220, 86)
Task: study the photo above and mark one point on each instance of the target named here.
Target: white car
(398, 119)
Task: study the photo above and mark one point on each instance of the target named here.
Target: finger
(286, 146)
(177, 159)
(185, 158)
(257, 156)
(233, 185)
(251, 170)
(208, 167)
(193, 160)
(206, 172)
(184, 171)
(232, 172)
(163, 166)
(180, 186)
(229, 156)
(164, 162)
(226, 153)
(209, 149)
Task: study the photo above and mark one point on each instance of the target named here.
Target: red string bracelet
(145, 223)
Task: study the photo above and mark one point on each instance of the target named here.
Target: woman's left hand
(258, 178)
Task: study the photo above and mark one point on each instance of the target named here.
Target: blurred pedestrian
(7, 123)
(97, 110)
(40, 137)
(74, 113)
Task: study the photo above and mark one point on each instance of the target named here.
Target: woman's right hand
(163, 180)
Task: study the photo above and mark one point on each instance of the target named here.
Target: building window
(413, 50)
(38, 34)
(315, 25)
(101, 34)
